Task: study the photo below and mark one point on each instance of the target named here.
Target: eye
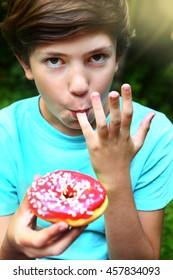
(99, 58)
(54, 62)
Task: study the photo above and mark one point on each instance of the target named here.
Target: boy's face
(67, 72)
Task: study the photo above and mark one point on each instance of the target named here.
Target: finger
(99, 113)
(127, 107)
(39, 239)
(57, 247)
(61, 245)
(115, 114)
(142, 131)
(85, 126)
(25, 215)
(37, 176)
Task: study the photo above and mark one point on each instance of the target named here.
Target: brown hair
(29, 23)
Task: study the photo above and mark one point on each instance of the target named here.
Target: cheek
(50, 87)
(105, 83)
(45, 87)
(108, 75)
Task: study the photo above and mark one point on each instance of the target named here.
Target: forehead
(79, 44)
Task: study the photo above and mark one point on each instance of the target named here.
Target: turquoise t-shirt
(30, 146)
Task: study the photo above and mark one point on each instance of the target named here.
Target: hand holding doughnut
(24, 240)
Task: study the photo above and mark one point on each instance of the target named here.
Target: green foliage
(14, 86)
(167, 234)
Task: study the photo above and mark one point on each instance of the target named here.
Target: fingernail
(152, 115)
(36, 177)
(62, 227)
(114, 94)
(126, 87)
(95, 95)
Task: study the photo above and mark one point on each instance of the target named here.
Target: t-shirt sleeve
(153, 167)
(8, 169)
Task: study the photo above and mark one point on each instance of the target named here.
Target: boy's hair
(29, 23)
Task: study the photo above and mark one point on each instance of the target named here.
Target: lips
(75, 112)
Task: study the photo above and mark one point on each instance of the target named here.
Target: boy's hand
(22, 238)
(111, 147)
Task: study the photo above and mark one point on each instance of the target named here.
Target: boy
(71, 49)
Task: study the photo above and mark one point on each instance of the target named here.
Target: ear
(26, 68)
(117, 64)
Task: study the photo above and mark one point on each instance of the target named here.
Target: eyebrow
(101, 49)
(56, 53)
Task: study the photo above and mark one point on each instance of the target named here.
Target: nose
(78, 81)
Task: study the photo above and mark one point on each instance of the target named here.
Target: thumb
(24, 211)
(37, 176)
(142, 131)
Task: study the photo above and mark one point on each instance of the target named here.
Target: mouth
(86, 111)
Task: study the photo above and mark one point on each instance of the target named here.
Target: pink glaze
(66, 194)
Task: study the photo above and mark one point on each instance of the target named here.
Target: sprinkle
(89, 212)
(59, 191)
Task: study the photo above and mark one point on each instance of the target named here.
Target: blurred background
(147, 66)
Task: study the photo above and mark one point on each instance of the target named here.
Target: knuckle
(94, 148)
(56, 252)
(129, 113)
(102, 126)
(139, 146)
(115, 123)
(35, 244)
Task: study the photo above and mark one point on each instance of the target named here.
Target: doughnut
(69, 196)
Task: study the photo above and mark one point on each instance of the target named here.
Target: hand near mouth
(111, 147)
